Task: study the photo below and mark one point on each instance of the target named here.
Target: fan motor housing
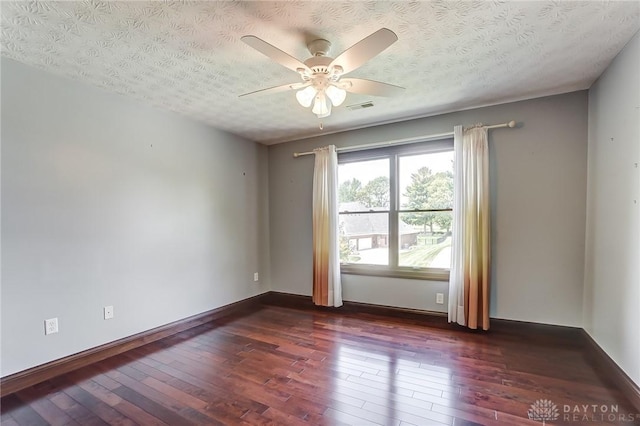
(319, 47)
(319, 64)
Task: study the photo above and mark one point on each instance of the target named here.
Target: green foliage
(374, 194)
(346, 251)
(349, 190)
(429, 191)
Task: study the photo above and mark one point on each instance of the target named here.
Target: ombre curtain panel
(327, 287)
(471, 246)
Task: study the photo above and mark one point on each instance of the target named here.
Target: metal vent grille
(363, 105)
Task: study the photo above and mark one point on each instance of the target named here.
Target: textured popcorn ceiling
(187, 57)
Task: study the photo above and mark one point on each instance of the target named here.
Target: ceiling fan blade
(369, 87)
(276, 89)
(364, 50)
(274, 53)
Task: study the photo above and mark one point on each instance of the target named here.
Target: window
(395, 208)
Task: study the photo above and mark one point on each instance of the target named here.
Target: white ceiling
(187, 57)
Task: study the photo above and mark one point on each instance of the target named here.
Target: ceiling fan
(322, 83)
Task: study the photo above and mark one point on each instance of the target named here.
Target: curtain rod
(510, 124)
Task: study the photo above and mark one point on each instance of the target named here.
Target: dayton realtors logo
(544, 410)
(597, 413)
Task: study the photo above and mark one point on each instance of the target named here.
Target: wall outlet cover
(108, 312)
(51, 326)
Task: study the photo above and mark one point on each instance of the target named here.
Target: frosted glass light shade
(320, 106)
(328, 113)
(336, 95)
(305, 96)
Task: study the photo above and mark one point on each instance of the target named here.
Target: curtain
(327, 288)
(470, 247)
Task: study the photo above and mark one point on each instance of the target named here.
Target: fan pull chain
(321, 126)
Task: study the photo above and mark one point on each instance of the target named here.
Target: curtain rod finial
(512, 124)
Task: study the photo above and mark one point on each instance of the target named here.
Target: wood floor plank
(411, 414)
(6, 417)
(212, 391)
(157, 410)
(97, 407)
(280, 418)
(28, 416)
(78, 412)
(51, 413)
(133, 412)
(288, 366)
(348, 419)
(36, 397)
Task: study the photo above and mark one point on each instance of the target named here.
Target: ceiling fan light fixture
(322, 85)
(321, 107)
(328, 113)
(336, 95)
(305, 96)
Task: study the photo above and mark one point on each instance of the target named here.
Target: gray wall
(538, 176)
(612, 266)
(108, 202)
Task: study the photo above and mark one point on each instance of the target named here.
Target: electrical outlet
(256, 276)
(108, 312)
(440, 298)
(51, 326)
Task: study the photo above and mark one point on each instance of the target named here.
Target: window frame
(393, 153)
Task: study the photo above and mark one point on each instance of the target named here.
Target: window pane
(425, 240)
(364, 238)
(426, 181)
(364, 185)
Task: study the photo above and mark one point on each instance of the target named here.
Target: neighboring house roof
(352, 206)
(368, 223)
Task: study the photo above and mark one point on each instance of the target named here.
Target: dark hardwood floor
(287, 366)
